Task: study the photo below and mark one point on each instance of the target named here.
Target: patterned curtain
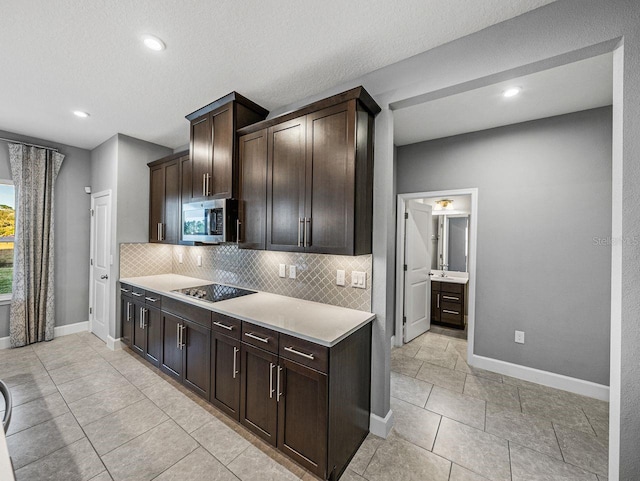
(34, 172)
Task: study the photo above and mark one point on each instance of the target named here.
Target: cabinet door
(196, 342)
(253, 190)
(225, 374)
(171, 350)
(286, 185)
(220, 182)
(126, 318)
(330, 180)
(435, 304)
(200, 153)
(138, 338)
(302, 410)
(258, 396)
(153, 329)
(156, 203)
(172, 203)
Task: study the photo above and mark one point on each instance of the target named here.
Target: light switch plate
(359, 279)
(199, 261)
(292, 272)
(180, 257)
(340, 277)
(520, 337)
(282, 270)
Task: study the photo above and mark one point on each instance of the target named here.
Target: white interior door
(417, 258)
(100, 264)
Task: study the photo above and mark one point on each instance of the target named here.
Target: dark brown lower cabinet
(258, 397)
(225, 374)
(138, 335)
(126, 318)
(186, 353)
(302, 415)
(152, 324)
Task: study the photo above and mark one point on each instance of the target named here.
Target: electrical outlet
(179, 257)
(359, 279)
(340, 277)
(199, 260)
(292, 272)
(282, 270)
(520, 337)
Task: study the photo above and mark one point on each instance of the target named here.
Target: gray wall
(71, 232)
(544, 194)
(120, 164)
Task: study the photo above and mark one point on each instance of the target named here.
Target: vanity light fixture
(511, 92)
(444, 203)
(81, 114)
(153, 43)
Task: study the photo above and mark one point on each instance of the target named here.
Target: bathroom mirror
(451, 242)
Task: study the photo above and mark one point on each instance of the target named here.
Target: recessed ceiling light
(512, 92)
(81, 114)
(154, 43)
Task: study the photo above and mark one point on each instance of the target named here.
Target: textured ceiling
(577, 86)
(59, 56)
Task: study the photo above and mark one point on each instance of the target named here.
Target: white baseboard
(546, 378)
(114, 344)
(381, 426)
(71, 329)
(393, 341)
(57, 332)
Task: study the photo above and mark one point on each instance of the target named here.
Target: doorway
(424, 245)
(100, 264)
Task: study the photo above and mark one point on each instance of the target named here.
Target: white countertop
(320, 323)
(449, 276)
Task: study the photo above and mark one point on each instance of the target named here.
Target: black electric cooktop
(214, 292)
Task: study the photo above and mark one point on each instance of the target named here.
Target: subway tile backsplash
(315, 276)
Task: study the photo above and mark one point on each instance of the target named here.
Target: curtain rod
(29, 144)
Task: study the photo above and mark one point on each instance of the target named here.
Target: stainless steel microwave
(211, 221)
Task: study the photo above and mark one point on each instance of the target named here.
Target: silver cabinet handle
(279, 393)
(143, 320)
(129, 311)
(208, 184)
(136, 294)
(450, 312)
(235, 362)
(292, 350)
(182, 343)
(122, 289)
(257, 338)
(151, 299)
(223, 326)
(438, 305)
(238, 224)
(204, 184)
(300, 226)
(271, 390)
(307, 231)
(451, 297)
(160, 232)
(178, 336)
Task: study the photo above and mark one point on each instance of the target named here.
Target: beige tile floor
(82, 412)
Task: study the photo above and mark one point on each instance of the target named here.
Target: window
(7, 233)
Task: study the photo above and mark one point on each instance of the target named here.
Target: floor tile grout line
(41, 422)
(510, 465)
(589, 421)
(553, 426)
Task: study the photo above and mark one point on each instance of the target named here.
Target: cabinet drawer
(304, 352)
(260, 337)
(450, 297)
(153, 300)
(187, 311)
(137, 293)
(450, 308)
(226, 325)
(125, 289)
(451, 287)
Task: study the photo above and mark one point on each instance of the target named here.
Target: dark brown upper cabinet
(252, 211)
(319, 176)
(213, 147)
(165, 202)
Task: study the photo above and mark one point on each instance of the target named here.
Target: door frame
(91, 256)
(400, 240)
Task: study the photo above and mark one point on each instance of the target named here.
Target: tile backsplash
(315, 277)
